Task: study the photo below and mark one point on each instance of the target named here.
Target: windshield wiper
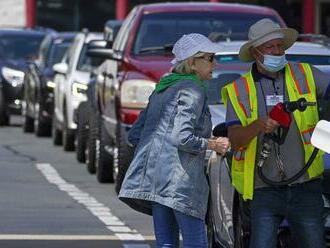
(165, 48)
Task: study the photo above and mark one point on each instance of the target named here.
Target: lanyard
(279, 160)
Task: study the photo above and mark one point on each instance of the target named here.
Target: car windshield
(19, 46)
(158, 31)
(311, 59)
(57, 53)
(87, 63)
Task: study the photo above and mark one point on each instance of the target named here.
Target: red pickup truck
(141, 54)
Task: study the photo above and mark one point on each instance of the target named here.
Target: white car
(71, 79)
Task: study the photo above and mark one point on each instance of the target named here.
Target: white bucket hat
(190, 44)
(263, 31)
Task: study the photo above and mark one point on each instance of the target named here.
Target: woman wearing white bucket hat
(166, 177)
(272, 79)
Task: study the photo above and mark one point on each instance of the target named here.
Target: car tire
(82, 131)
(67, 137)
(104, 171)
(28, 124)
(92, 143)
(4, 117)
(56, 133)
(42, 129)
(125, 157)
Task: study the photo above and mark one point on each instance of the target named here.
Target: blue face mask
(273, 63)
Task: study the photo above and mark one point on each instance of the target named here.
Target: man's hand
(268, 125)
(241, 136)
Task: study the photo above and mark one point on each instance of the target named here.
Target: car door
(114, 76)
(59, 80)
(65, 83)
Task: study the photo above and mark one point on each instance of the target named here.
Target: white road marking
(136, 246)
(103, 213)
(63, 237)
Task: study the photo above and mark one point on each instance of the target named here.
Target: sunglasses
(209, 58)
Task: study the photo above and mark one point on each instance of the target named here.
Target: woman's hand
(220, 145)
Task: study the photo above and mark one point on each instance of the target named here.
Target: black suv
(38, 99)
(17, 46)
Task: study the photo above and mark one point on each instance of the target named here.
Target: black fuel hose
(293, 178)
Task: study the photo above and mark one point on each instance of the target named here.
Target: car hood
(21, 64)
(151, 66)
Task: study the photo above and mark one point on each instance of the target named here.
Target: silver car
(228, 215)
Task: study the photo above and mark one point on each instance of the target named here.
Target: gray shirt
(291, 152)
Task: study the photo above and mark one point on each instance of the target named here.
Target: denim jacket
(169, 161)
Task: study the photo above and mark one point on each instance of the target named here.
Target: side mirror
(61, 68)
(104, 53)
(96, 44)
(321, 136)
(220, 130)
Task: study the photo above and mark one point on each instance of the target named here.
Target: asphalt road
(48, 199)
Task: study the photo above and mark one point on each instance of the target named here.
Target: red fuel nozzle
(279, 114)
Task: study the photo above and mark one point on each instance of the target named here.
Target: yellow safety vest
(299, 83)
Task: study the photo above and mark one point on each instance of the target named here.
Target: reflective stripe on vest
(239, 155)
(299, 83)
(307, 120)
(242, 170)
(307, 135)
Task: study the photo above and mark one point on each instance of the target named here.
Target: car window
(57, 53)
(44, 49)
(19, 47)
(87, 63)
(123, 32)
(303, 58)
(72, 49)
(159, 29)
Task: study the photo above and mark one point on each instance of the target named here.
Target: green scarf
(173, 78)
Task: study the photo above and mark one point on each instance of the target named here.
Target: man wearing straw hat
(272, 79)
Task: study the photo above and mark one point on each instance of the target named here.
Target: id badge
(272, 100)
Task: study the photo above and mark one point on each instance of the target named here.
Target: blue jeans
(168, 222)
(301, 205)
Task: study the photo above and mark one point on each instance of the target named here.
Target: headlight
(14, 77)
(135, 93)
(79, 89)
(51, 84)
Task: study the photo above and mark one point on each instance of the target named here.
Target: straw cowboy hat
(263, 31)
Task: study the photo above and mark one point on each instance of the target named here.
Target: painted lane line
(135, 246)
(103, 213)
(63, 237)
